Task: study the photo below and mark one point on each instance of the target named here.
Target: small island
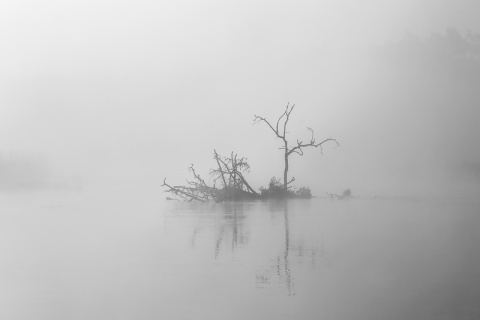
(230, 172)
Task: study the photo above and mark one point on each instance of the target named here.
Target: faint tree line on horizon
(22, 172)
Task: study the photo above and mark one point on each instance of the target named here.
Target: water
(131, 255)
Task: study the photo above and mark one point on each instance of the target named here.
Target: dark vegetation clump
(303, 193)
(276, 191)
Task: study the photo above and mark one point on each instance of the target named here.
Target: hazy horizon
(137, 92)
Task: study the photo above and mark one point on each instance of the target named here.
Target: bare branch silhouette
(230, 171)
(280, 131)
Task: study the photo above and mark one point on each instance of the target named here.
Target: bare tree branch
(282, 132)
(181, 191)
(219, 168)
(229, 170)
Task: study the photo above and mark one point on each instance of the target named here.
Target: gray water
(132, 255)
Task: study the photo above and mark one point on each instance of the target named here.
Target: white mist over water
(125, 255)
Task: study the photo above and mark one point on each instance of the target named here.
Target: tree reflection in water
(231, 232)
(281, 268)
(226, 219)
(274, 264)
(285, 262)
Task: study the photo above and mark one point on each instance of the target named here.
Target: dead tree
(280, 130)
(230, 172)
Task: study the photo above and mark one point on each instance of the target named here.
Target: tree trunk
(285, 172)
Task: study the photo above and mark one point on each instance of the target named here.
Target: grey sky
(100, 86)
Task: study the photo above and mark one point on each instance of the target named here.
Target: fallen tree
(230, 173)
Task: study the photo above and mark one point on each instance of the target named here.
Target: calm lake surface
(127, 254)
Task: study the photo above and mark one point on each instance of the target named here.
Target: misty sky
(140, 89)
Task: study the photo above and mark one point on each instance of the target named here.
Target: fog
(102, 92)
(100, 101)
